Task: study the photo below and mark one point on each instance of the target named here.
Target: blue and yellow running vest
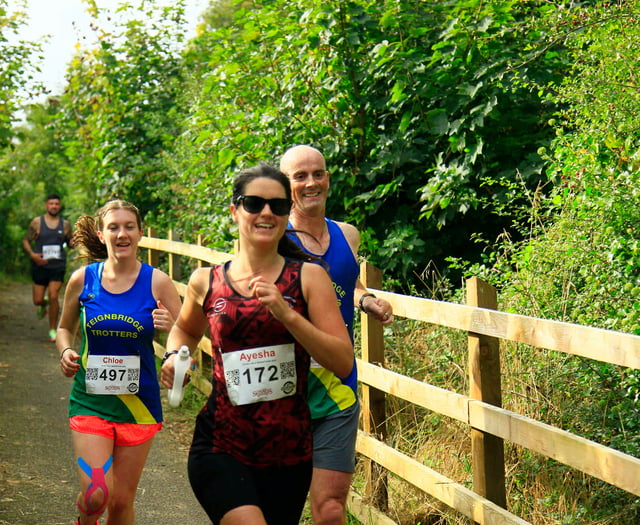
(118, 325)
(328, 393)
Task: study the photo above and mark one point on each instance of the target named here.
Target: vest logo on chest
(219, 306)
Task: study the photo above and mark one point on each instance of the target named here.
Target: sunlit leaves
(121, 103)
(18, 62)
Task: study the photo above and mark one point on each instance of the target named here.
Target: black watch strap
(168, 354)
(361, 301)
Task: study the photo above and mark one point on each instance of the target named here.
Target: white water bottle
(181, 365)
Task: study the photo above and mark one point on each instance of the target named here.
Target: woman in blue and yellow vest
(116, 303)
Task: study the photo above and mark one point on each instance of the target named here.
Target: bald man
(333, 401)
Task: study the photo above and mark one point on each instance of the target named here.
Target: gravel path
(38, 480)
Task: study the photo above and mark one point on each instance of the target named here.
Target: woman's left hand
(162, 318)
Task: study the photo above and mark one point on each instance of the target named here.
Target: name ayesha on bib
(249, 356)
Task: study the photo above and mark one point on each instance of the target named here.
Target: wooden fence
(481, 410)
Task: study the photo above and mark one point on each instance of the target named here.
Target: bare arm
(376, 307)
(68, 325)
(190, 324)
(166, 295)
(68, 234)
(324, 335)
(30, 235)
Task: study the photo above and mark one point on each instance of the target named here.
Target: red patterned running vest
(263, 433)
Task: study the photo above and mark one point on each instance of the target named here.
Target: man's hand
(38, 259)
(379, 309)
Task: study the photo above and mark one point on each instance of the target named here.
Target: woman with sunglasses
(267, 311)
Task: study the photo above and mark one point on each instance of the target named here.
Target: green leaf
(437, 121)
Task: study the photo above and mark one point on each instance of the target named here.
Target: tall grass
(540, 384)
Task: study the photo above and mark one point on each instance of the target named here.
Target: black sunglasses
(255, 204)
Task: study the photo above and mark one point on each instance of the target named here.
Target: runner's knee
(330, 511)
(93, 505)
(119, 506)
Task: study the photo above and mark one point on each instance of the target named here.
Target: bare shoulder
(313, 270)
(78, 274)
(199, 280)
(76, 281)
(352, 235)
(314, 276)
(34, 229)
(160, 278)
(200, 274)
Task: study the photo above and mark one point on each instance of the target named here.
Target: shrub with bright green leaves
(415, 105)
(583, 266)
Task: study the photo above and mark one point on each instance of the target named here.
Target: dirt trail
(38, 480)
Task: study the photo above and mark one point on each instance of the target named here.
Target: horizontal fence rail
(481, 411)
(594, 343)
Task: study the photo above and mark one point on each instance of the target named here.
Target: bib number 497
(112, 375)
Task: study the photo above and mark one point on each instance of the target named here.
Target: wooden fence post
(199, 243)
(175, 270)
(487, 451)
(373, 400)
(153, 257)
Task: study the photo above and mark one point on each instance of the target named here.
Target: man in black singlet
(45, 242)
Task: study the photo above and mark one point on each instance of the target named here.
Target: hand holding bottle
(181, 364)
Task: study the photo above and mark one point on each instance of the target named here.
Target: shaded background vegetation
(464, 137)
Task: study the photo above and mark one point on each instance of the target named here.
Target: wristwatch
(361, 301)
(167, 355)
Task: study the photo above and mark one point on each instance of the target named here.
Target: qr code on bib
(232, 377)
(92, 374)
(288, 369)
(133, 374)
